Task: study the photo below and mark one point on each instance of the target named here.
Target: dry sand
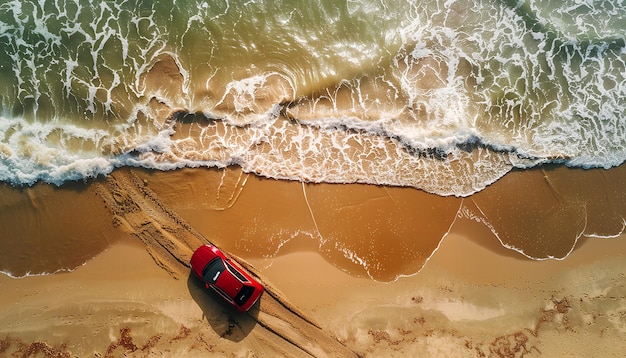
(316, 248)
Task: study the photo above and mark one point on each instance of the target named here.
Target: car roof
(229, 283)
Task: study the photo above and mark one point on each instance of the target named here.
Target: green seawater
(445, 96)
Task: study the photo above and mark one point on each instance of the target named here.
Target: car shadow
(226, 321)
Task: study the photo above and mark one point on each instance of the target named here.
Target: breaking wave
(445, 96)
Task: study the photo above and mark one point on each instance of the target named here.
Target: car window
(244, 294)
(213, 270)
(236, 272)
(222, 293)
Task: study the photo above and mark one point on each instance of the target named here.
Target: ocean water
(444, 96)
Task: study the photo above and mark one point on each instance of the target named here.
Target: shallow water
(442, 96)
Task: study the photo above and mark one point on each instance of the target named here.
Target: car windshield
(213, 270)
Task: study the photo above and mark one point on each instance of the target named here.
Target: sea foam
(443, 96)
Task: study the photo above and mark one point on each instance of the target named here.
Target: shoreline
(473, 296)
(229, 205)
(130, 306)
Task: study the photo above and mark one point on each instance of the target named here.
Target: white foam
(29, 274)
(403, 112)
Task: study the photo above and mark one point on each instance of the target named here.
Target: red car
(222, 275)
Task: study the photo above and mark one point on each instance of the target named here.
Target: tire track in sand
(170, 240)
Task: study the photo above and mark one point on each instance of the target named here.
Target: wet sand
(340, 262)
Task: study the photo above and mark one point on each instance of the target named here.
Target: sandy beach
(405, 179)
(350, 270)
